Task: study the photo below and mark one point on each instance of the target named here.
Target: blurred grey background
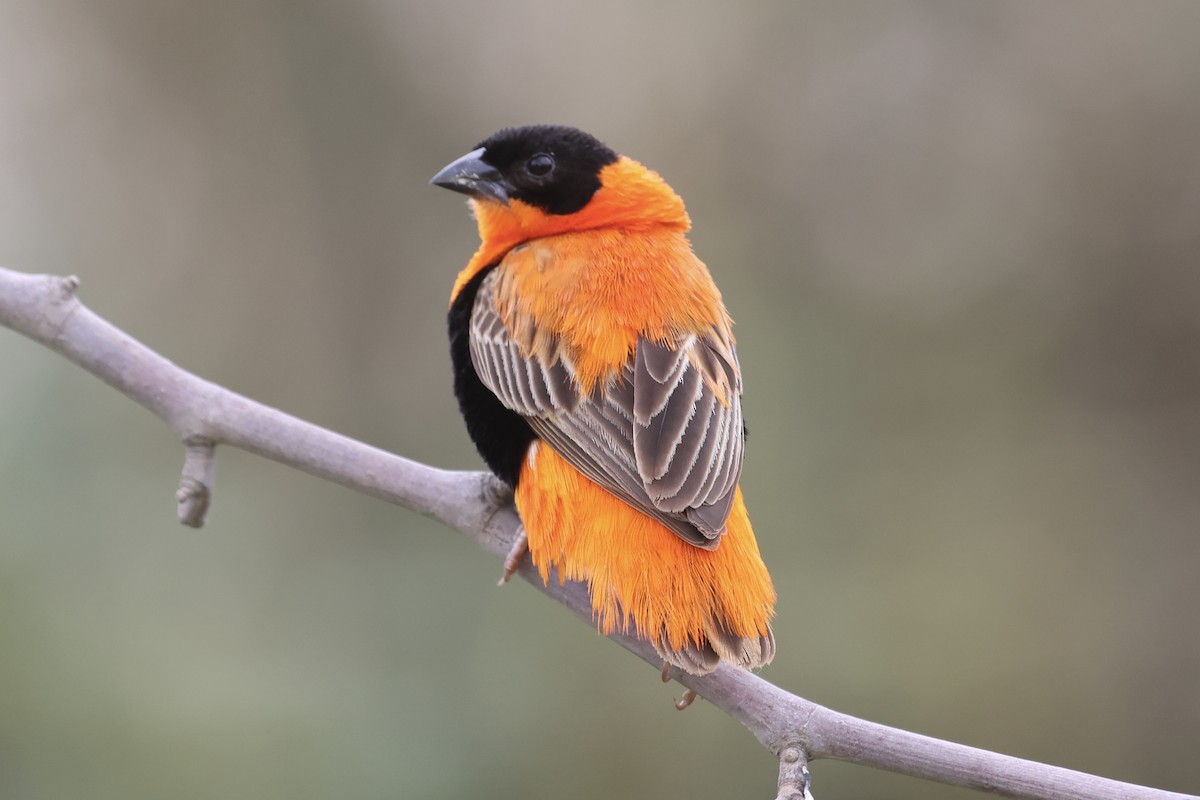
(960, 241)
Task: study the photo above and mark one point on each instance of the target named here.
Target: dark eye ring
(540, 165)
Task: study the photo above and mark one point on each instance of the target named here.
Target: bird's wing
(665, 434)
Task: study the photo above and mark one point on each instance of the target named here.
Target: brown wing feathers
(690, 449)
(532, 387)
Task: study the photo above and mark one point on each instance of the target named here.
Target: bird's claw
(689, 696)
(512, 561)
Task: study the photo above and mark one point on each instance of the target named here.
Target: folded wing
(665, 434)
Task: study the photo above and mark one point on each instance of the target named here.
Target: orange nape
(695, 605)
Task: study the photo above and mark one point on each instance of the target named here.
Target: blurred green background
(960, 240)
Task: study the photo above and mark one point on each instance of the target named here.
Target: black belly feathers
(501, 436)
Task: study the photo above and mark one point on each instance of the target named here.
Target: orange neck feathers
(631, 197)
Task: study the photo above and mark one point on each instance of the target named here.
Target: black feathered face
(552, 167)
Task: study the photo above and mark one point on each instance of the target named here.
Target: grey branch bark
(45, 308)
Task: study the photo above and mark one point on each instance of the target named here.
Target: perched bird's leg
(689, 696)
(666, 672)
(512, 561)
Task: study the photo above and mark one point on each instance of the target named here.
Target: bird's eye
(540, 165)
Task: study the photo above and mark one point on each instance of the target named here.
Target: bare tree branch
(45, 308)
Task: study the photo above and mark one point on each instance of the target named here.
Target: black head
(552, 167)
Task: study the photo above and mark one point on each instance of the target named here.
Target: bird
(595, 368)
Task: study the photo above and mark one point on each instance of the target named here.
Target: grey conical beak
(474, 176)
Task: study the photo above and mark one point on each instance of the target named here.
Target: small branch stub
(196, 482)
(67, 287)
(795, 782)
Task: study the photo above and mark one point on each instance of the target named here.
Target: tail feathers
(749, 652)
(698, 660)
